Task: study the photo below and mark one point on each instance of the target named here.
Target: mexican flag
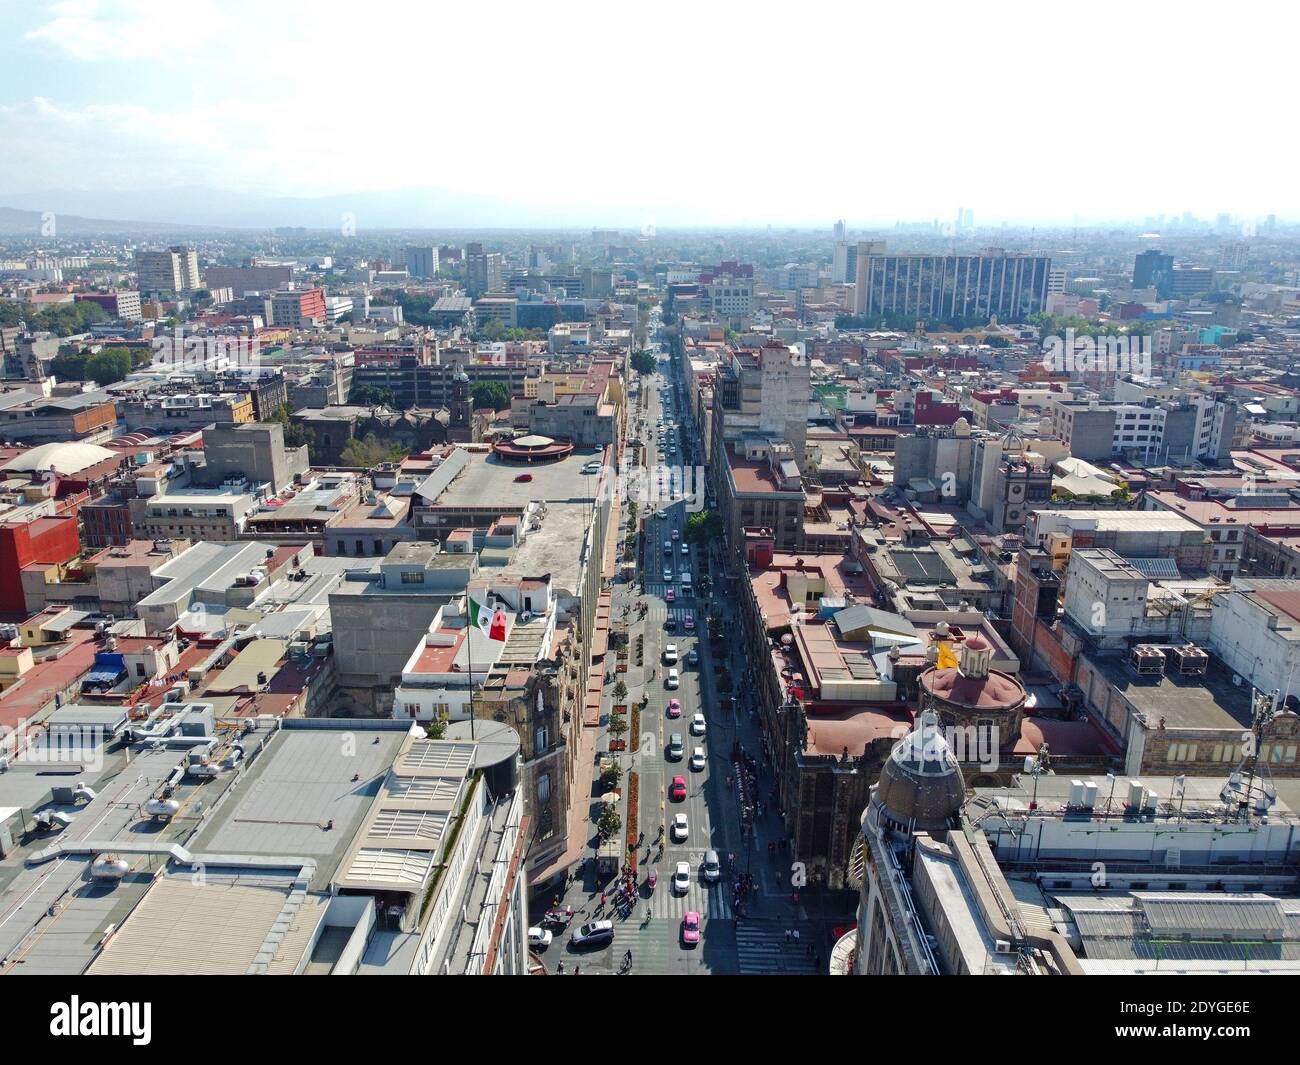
(492, 623)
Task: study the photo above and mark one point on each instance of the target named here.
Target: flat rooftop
(305, 798)
(1211, 701)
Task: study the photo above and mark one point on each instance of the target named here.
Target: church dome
(921, 783)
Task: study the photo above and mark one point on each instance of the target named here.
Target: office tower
(1234, 254)
(862, 255)
(175, 270)
(482, 270)
(952, 287)
(839, 231)
(422, 261)
(1151, 269)
(844, 263)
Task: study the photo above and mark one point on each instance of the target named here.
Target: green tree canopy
(109, 366)
(643, 362)
(703, 526)
(372, 396)
(490, 395)
(368, 452)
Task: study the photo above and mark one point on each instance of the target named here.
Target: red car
(678, 790)
(524, 477)
(691, 928)
(674, 708)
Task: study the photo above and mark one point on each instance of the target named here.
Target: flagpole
(469, 651)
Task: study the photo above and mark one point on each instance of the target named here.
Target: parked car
(540, 938)
(528, 477)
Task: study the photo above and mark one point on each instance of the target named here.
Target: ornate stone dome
(921, 783)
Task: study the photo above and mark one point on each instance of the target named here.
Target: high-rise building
(1234, 254)
(952, 287)
(482, 270)
(861, 256)
(839, 230)
(422, 260)
(1187, 281)
(1151, 269)
(844, 263)
(175, 270)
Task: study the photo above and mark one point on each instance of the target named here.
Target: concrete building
(422, 260)
(1006, 882)
(483, 270)
(952, 287)
(174, 271)
(283, 865)
(378, 618)
(254, 452)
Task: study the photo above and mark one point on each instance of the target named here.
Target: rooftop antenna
(1242, 789)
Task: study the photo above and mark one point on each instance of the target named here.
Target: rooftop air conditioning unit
(1191, 660)
(1147, 660)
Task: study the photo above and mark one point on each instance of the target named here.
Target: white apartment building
(731, 297)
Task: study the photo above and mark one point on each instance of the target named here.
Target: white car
(670, 654)
(591, 467)
(682, 878)
(680, 828)
(697, 725)
(686, 549)
(539, 938)
(668, 575)
(673, 680)
(698, 761)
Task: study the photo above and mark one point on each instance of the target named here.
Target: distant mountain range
(19, 223)
(155, 210)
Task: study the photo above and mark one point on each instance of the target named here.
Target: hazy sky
(666, 112)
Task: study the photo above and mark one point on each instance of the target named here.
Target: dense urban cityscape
(900, 593)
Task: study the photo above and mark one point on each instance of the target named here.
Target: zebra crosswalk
(708, 900)
(762, 950)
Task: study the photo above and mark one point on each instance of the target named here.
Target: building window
(544, 787)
